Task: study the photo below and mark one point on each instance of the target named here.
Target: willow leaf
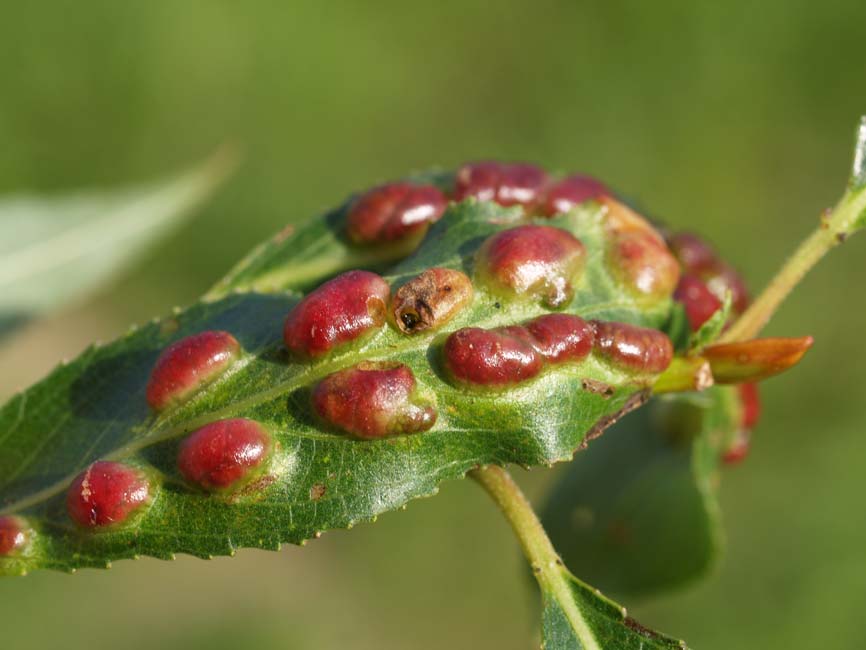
(94, 408)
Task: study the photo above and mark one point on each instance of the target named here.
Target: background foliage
(733, 119)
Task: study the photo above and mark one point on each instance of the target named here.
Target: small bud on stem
(733, 363)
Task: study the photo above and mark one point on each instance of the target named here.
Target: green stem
(835, 227)
(548, 569)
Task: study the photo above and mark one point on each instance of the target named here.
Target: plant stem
(552, 576)
(834, 229)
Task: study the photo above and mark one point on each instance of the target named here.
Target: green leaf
(56, 250)
(637, 513)
(710, 331)
(94, 408)
(580, 618)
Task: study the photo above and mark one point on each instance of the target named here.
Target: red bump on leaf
(639, 349)
(506, 184)
(13, 535)
(187, 365)
(107, 493)
(570, 192)
(393, 212)
(694, 254)
(644, 262)
(372, 400)
(490, 358)
(222, 454)
(637, 253)
(337, 312)
(700, 260)
(700, 303)
(723, 278)
(561, 337)
(532, 262)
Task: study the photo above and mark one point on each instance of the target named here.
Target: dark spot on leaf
(597, 387)
(640, 629)
(255, 488)
(317, 491)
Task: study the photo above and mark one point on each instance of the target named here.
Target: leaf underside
(637, 514)
(94, 407)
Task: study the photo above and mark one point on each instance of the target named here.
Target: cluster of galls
(402, 210)
(375, 399)
(220, 456)
(703, 285)
(506, 356)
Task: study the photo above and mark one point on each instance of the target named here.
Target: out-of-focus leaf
(637, 513)
(57, 249)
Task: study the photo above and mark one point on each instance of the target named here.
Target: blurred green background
(734, 119)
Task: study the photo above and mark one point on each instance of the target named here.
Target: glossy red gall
(372, 400)
(721, 279)
(224, 454)
(13, 535)
(393, 212)
(189, 364)
(532, 262)
(694, 254)
(506, 184)
(570, 192)
(561, 337)
(700, 260)
(107, 493)
(638, 349)
(637, 253)
(339, 311)
(490, 358)
(699, 302)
